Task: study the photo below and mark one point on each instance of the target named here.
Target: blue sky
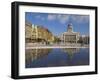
(57, 23)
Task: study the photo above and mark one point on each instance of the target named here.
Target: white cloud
(80, 19)
(39, 17)
(42, 18)
(61, 18)
(51, 17)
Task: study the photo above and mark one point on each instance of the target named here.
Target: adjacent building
(28, 31)
(84, 39)
(36, 33)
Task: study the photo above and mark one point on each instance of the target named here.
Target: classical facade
(70, 36)
(36, 33)
(28, 31)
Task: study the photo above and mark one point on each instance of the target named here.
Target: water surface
(56, 57)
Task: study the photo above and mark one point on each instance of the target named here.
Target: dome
(70, 24)
(70, 27)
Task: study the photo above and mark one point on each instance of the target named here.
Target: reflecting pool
(47, 57)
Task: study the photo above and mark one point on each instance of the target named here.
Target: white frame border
(53, 70)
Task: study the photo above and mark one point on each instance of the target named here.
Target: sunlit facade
(28, 31)
(35, 33)
(70, 36)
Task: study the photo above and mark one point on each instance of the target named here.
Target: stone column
(64, 39)
(76, 39)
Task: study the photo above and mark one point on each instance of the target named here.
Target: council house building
(70, 36)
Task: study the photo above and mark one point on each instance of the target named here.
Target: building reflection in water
(34, 54)
(56, 57)
(71, 51)
(72, 59)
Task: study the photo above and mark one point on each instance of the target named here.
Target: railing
(56, 45)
